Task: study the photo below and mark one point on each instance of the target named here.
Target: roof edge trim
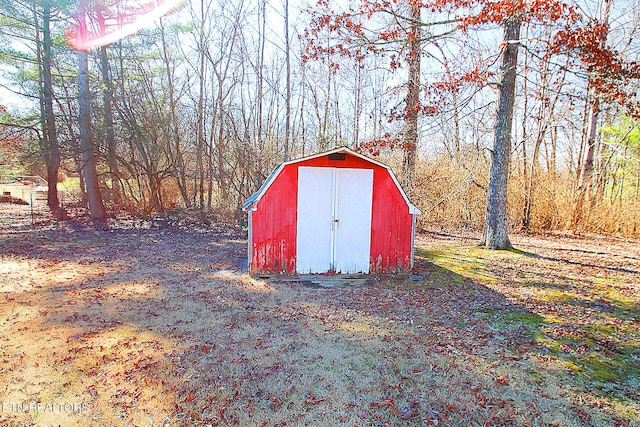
(252, 201)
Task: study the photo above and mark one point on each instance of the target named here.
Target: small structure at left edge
(336, 212)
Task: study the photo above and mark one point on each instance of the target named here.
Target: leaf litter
(152, 322)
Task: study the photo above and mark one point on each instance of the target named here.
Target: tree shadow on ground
(601, 266)
(583, 322)
(154, 321)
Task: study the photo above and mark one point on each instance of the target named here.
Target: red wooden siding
(391, 222)
(391, 226)
(274, 223)
(274, 226)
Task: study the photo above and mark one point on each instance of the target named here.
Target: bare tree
(287, 53)
(496, 228)
(586, 177)
(89, 158)
(52, 151)
(410, 147)
(109, 132)
(174, 140)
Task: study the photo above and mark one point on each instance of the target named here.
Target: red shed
(332, 212)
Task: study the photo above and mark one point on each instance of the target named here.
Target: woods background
(195, 110)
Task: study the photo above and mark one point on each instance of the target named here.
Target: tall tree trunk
(94, 197)
(336, 111)
(303, 137)
(551, 156)
(586, 172)
(586, 178)
(324, 137)
(178, 169)
(109, 134)
(496, 227)
(287, 126)
(454, 152)
(410, 145)
(201, 137)
(201, 130)
(526, 190)
(263, 38)
(52, 148)
(544, 119)
(357, 108)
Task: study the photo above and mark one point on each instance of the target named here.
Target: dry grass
(452, 196)
(150, 322)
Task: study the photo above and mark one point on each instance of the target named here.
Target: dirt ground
(151, 322)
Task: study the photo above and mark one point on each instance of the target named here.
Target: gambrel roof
(255, 198)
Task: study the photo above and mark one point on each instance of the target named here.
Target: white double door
(334, 220)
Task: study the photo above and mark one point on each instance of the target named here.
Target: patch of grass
(510, 318)
(550, 345)
(583, 324)
(70, 187)
(554, 295)
(514, 320)
(603, 369)
(550, 319)
(471, 263)
(600, 329)
(592, 357)
(528, 319)
(624, 306)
